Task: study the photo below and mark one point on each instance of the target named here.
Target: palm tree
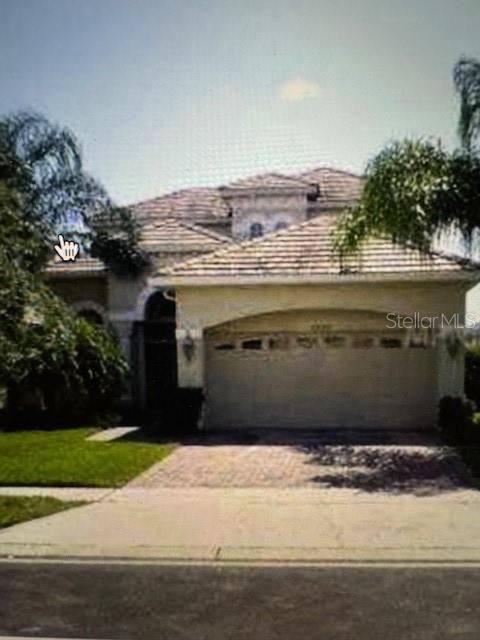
(42, 163)
(466, 77)
(49, 176)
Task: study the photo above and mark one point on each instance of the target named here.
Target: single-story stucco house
(248, 302)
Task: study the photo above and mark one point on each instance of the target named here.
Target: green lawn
(65, 458)
(18, 509)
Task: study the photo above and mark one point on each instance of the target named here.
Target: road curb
(243, 555)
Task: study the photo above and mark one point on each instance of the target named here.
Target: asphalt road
(130, 601)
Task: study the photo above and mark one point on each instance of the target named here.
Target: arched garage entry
(327, 369)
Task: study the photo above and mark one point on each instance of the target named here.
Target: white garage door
(342, 381)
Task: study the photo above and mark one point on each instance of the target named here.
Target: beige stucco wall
(205, 306)
(202, 310)
(307, 320)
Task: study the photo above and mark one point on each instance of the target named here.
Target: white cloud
(297, 88)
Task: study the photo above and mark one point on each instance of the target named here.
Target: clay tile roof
(307, 250)
(209, 205)
(336, 187)
(190, 204)
(169, 232)
(269, 181)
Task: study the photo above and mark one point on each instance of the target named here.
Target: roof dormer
(266, 203)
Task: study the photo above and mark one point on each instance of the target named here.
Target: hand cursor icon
(66, 250)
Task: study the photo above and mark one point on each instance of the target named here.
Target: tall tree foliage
(50, 359)
(415, 191)
(42, 163)
(466, 77)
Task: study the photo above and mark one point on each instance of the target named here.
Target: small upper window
(252, 344)
(417, 342)
(391, 343)
(278, 342)
(362, 342)
(256, 230)
(335, 341)
(307, 341)
(225, 346)
(314, 194)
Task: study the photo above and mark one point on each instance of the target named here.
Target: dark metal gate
(160, 365)
(154, 370)
(154, 356)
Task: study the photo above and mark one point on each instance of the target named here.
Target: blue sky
(169, 94)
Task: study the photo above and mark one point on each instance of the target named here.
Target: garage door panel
(321, 387)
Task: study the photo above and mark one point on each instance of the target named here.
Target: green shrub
(57, 368)
(456, 420)
(472, 374)
(101, 366)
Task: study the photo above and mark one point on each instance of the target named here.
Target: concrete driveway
(371, 462)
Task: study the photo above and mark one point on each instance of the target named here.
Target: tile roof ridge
(237, 182)
(329, 167)
(201, 230)
(172, 221)
(175, 192)
(290, 176)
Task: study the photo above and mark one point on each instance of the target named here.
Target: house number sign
(320, 328)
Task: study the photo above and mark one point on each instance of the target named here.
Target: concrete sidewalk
(303, 525)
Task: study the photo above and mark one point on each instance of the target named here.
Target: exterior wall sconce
(188, 347)
(169, 294)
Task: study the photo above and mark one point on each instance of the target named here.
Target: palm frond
(466, 78)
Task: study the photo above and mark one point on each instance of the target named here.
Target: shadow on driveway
(421, 470)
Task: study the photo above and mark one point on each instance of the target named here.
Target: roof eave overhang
(331, 279)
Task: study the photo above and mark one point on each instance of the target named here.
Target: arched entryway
(160, 355)
(154, 355)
